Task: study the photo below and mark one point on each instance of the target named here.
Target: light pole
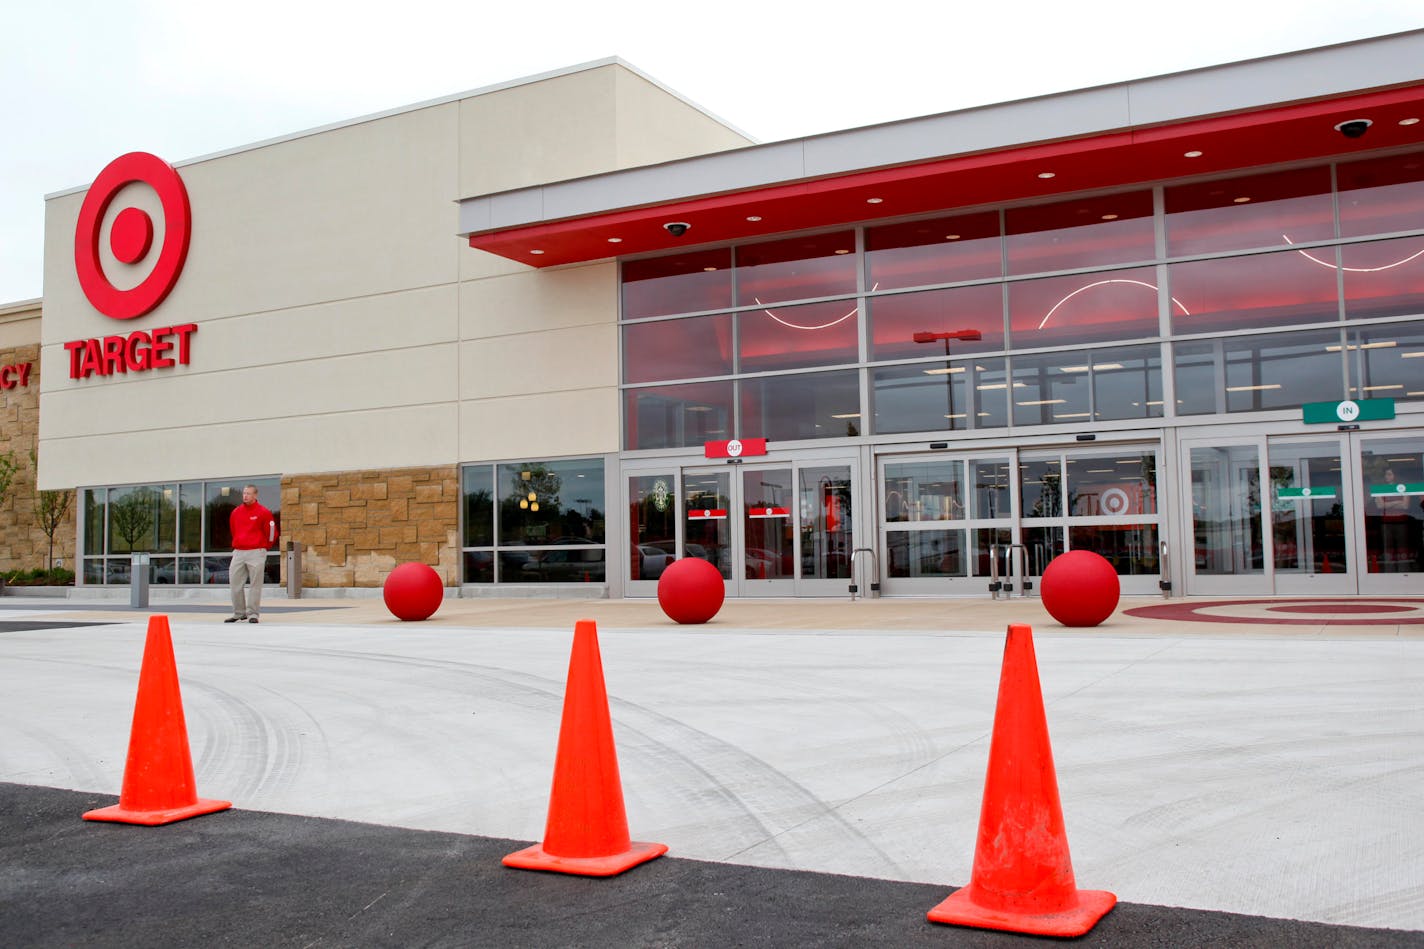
(929, 337)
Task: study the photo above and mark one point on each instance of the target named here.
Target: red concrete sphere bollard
(413, 591)
(691, 590)
(1080, 588)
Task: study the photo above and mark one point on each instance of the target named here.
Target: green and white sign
(1300, 494)
(1401, 488)
(1351, 410)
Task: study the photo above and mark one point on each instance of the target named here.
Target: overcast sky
(82, 82)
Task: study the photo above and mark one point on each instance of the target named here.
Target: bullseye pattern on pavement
(1352, 612)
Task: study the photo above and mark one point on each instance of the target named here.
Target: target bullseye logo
(131, 235)
(1115, 501)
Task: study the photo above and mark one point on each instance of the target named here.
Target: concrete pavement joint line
(1116, 672)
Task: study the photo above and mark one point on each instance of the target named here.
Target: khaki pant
(247, 567)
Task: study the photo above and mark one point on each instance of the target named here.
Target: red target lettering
(132, 235)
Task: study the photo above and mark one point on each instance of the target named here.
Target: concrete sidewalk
(1271, 771)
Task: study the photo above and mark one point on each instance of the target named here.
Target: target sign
(1115, 501)
(131, 235)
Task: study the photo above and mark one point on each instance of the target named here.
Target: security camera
(1354, 128)
(676, 228)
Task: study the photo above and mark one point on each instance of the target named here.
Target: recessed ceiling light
(754, 217)
(951, 237)
(874, 200)
(1047, 174)
(1109, 217)
(1192, 154)
(709, 269)
(1240, 200)
(536, 252)
(1408, 121)
(842, 252)
(615, 240)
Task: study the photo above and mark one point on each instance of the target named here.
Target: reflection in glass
(707, 533)
(190, 519)
(1083, 308)
(825, 519)
(96, 515)
(1381, 195)
(478, 566)
(477, 489)
(1041, 488)
(1130, 548)
(1042, 543)
(1095, 384)
(1263, 210)
(679, 283)
(1275, 371)
(1386, 361)
(989, 486)
(1120, 485)
(142, 518)
(1082, 232)
(934, 553)
(799, 337)
(559, 565)
(1226, 510)
(551, 502)
(664, 350)
(1307, 508)
(809, 405)
(767, 496)
(1392, 493)
(924, 491)
(931, 397)
(958, 313)
(802, 268)
(941, 250)
(677, 416)
(1384, 278)
(1265, 290)
(652, 524)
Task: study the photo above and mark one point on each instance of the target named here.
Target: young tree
(50, 511)
(8, 467)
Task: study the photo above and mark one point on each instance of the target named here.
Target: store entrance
(1307, 515)
(770, 529)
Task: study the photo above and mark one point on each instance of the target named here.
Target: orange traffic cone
(1023, 877)
(159, 787)
(587, 829)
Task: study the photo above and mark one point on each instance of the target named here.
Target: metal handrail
(1165, 582)
(874, 576)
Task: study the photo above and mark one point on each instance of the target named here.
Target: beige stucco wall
(342, 326)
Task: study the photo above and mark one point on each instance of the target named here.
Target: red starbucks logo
(131, 235)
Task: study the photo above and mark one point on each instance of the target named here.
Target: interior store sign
(130, 239)
(1351, 410)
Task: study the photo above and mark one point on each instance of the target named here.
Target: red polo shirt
(252, 527)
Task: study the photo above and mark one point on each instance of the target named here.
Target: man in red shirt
(253, 531)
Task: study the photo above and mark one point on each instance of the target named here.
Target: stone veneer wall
(355, 527)
(23, 546)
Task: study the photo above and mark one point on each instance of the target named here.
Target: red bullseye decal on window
(131, 236)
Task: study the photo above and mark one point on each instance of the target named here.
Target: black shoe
(252, 619)
(233, 619)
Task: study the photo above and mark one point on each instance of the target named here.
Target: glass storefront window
(825, 518)
(1265, 210)
(1083, 232)
(190, 519)
(808, 405)
(1083, 308)
(1120, 485)
(1392, 492)
(1130, 548)
(96, 515)
(956, 322)
(1226, 510)
(1276, 371)
(990, 484)
(679, 283)
(677, 416)
(1127, 382)
(548, 503)
(933, 553)
(662, 350)
(801, 268)
(1381, 195)
(1383, 278)
(1386, 362)
(1307, 507)
(925, 491)
(477, 489)
(1040, 488)
(942, 250)
(707, 532)
(936, 397)
(1231, 293)
(799, 337)
(652, 524)
(142, 518)
(1088, 385)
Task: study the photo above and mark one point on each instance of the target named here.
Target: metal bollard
(138, 580)
(294, 570)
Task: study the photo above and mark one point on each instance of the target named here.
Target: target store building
(552, 335)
